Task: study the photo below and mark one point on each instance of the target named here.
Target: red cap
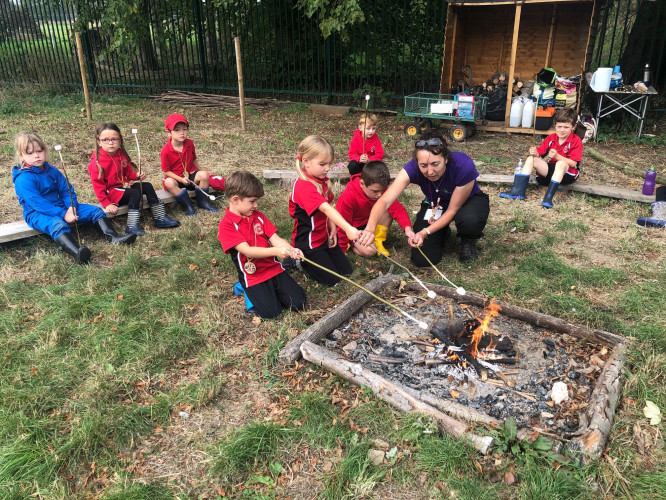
(173, 119)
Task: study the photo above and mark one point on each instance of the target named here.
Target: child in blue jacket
(49, 202)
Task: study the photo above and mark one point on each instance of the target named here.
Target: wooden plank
(512, 62)
(500, 127)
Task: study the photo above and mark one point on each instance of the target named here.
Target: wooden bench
(289, 177)
(18, 230)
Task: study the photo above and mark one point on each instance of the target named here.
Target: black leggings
(270, 296)
(132, 196)
(331, 258)
(661, 194)
(470, 221)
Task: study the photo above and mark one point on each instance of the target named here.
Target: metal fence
(396, 51)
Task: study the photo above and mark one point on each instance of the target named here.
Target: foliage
(522, 449)
(333, 15)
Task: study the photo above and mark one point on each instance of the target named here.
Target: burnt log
(291, 352)
(393, 393)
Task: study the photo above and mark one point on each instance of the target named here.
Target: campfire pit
(481, 363)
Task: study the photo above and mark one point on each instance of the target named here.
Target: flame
(492, 310)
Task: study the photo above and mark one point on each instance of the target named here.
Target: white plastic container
(528, 114)
(601, 80)
(516, 112)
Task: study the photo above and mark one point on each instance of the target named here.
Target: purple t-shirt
(459, 171)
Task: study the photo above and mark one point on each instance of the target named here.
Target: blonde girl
(315, 219)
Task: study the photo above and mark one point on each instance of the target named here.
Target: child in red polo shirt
(181, 168)
(315, 220)
(557, 160)
(252, 241)
(365, 145)
(356, 202)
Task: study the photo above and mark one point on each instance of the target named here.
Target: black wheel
(472, 129)
(458, 132)
(412, 129)
(425, 124)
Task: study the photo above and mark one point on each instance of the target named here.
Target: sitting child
(556, 161)
(365, 145)
(252, 241)
(181, 167)
(356, 202)
(49, 201)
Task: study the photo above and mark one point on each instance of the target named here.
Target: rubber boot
(105, 228)
(517, 192)
(548, 199)
(468, 250)
(658, 218)
(203, 201)
(184, 200)
(160, 217)
(133, 216)
(380, 238)
(68, 245)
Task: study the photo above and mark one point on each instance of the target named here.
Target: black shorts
(569, 177)
(191, 178)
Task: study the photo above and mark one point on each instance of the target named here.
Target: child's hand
(69, 216)
(353, 234)
(533, 151)
(184, 180)
(333, 239)
(409, 232)
(416, 240)
(111, 209)
(552, 154)
(142, 176)
(363, 158)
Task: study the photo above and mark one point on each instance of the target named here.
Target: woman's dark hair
(433, 133)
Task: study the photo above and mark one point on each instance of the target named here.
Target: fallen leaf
(119, 296)
(510, 478)
(33, 371)
(454, 394)
(193, 267)
(256, 321)
(652, 412)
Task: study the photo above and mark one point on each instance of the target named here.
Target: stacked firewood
(499, 79)
(183, 98)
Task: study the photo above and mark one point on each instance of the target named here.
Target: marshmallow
(431, 294)
(57, 147)
(460, 291)
(423, 325)
(134, 131)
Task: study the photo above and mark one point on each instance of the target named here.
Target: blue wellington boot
(517, 192)
(133, 216)
(184, 199)
(658, 218)
(162, 221)
(548, 199)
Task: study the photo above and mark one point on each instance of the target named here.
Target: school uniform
(310, 233)
(44, 195)
(117, 184)
(266, 284)
(355, 207)
(180, 163)
(372, 147)
(571, 148)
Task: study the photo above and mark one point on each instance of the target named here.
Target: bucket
(601, 80)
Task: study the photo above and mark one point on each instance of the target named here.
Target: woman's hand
(365, 237)
(111, 209)
(69, 216)
(417, 239)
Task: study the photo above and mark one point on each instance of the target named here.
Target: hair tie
(298, 158)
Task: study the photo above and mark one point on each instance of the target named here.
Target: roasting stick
(135, 133)
(58, 148)
(431, 294)
(459, 290)
(422, 324)
(365, 120)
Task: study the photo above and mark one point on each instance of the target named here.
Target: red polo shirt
(175, 161)
(254, 230)
(355, 207)
(310, 225)
(571, 148)
(117, 172)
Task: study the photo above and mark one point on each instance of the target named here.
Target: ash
(389, 344)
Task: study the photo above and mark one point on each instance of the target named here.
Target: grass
(141, 376)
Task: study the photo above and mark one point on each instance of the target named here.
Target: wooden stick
(241, 88)
(58, 148)
(365, 121)
(291, 352)
(391, 392)
(84, 78)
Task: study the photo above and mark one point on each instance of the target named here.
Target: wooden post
(453, 45)
(84, 78)
(551, 37)
(512, 62)
(241, 89)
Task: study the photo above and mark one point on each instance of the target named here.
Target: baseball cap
(173, 119)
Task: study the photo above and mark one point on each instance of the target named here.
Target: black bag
(496, 106)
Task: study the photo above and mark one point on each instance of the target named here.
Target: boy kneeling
(356, 202)
(252, 241)
(556, 161)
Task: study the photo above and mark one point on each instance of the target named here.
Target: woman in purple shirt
(448, 181)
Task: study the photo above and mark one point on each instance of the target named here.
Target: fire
(491, 310)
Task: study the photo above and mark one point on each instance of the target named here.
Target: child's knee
(561, 166)
(202, 175)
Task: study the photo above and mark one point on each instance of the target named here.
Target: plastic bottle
(516, 112)
(616, 78)
(647, 75)
(519, 168)
(528, 114)
(650, 179)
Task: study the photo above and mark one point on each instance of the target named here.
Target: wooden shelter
(520, 37)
